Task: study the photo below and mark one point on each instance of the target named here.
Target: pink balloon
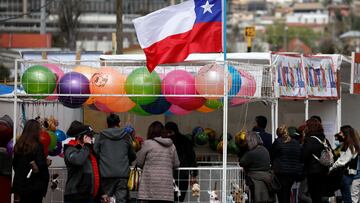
(178, 110)
(58, 72)
(248, 88)
(161, 75)
(180, 82)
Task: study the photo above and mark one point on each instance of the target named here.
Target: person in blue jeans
(349, 160)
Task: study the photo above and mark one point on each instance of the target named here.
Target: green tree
(277, 35)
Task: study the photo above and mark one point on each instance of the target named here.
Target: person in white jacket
(348, 159)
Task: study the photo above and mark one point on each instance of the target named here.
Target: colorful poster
(289, 75)
(355, 74)
(321, 77)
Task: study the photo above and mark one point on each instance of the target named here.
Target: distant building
(97, 21)
(311, 15)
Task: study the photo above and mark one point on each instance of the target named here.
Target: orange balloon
(88, 72)
(119, 104)
(108, 80)
(205, 109)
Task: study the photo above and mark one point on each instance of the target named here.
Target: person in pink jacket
(157, 158)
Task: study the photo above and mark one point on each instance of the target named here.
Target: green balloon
(53, 140)
(213, 144)
(140, 81)
(213, 103)
(201, 138)
(232, 147)
(38, 80)
(139, 111)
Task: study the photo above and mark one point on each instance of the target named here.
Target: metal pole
(225, 106)
(25, 5)
(306, 109)
(272, 121)
(43, 17)
(352, 73)
(14, 119)
(119, 27)
(276, 113)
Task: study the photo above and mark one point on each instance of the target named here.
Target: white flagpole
(225, 106)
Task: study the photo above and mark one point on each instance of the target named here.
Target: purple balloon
(57, 149)
(73, 83)
(10, 147)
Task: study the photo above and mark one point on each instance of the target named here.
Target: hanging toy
(195, 190)
(52, 123)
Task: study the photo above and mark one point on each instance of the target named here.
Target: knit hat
(77, 129)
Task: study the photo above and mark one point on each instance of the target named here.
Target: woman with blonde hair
(285, 156)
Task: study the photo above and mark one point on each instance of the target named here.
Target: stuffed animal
(237, 193)
(214, 197)
(195, 190)
(52, 123)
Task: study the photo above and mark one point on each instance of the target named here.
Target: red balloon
(6, 133)
(45, 141)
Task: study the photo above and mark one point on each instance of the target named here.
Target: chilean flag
(170, 34)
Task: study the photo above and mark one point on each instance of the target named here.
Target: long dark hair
(156, 129)
(313, 127)
(29, 139)
(351, 138)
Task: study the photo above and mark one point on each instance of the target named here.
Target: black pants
(182, 181)
(317, 187)
(31, 198)
(116, 187)
(286, 182)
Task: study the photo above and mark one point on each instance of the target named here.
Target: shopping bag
(134, 179)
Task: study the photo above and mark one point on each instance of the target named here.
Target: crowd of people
(302, 155)
(98, 164)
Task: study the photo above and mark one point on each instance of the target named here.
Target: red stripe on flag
(202, 38)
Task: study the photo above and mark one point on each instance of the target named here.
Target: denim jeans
(346, 188)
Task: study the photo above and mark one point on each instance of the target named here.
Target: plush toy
(53, 123)
(195, 190)
(214, 197)
(237, 193)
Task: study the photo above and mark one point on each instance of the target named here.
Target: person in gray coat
(157, 158)
(115, 153)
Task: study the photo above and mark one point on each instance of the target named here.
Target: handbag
(134, 179)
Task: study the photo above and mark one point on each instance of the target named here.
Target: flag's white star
(207, 7)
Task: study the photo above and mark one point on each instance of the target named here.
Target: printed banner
(289, 76)
(355, 74)
(321, 77)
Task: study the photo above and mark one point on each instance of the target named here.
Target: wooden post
(119, 27)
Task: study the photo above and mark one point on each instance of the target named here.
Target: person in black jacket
(286, 163)
(186, 156)
(256, 163)
(316, 173)
(30, 165)
(260, 127)
(82, 183)
(115, 152)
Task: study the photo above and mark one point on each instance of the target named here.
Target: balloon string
(245, 118)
